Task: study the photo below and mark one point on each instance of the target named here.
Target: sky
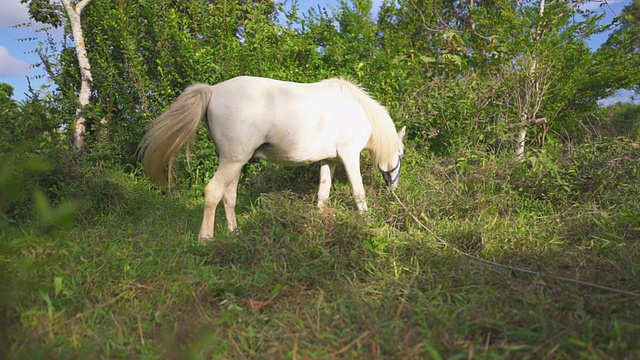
(18, 60)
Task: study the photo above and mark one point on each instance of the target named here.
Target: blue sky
(17, 59)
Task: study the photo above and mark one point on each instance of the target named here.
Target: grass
(130, 279)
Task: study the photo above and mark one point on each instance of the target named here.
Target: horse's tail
(171, 131)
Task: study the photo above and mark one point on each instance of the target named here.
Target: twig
(235, 344)
(140, 331)
(200, 307)
(349, 345)
(508, 267)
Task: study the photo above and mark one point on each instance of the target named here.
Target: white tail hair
(171, 130)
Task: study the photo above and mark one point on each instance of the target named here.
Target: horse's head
(392, 176)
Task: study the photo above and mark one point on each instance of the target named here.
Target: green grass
(131, 280)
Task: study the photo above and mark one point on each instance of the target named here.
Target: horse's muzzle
(389, 179)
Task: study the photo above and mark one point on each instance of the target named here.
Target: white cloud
(13, 13)
(11, 66)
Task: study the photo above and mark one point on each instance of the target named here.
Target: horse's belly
(292, 156)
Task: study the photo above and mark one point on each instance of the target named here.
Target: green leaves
(427, 59)
(46, 12)
(61, 216)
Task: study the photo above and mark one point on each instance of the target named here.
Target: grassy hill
(127, 278)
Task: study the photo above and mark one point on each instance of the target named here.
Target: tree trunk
(79, 125)
(529, 116)
(522, 138)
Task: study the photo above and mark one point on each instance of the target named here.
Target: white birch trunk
(527, 116)
(522, 138)
(85, 69)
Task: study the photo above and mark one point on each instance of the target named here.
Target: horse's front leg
(352, 166)
(213, 193)
(327, 169)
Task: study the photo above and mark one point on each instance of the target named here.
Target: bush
(622, 119)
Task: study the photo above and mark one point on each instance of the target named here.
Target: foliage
(35, 120)
(45, 11)
(31, 180)
(624, 43)
(426, 62)
(35, 157)
(584, 173)
(620, 120)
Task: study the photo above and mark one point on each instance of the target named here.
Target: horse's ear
(401, 132)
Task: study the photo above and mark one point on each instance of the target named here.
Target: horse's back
(290, 122)
(283, 98)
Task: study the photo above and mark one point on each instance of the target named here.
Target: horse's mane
(384, 140)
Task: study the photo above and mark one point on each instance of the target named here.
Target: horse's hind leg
(226, 174)
(230, 195)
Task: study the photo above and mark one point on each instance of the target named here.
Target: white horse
(286, 123)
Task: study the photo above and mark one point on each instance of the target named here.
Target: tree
(483, 68)
(73, 13)
(50, 13)
(622, 50)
